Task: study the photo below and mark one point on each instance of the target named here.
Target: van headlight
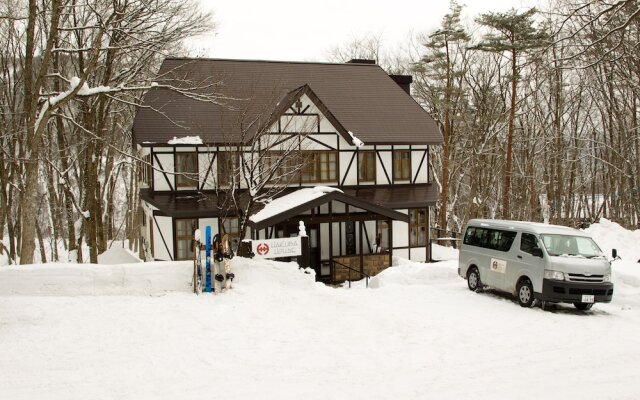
(606, 278)
(555, 275)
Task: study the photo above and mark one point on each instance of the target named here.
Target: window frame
(145, 170)
(289, 169)
(189, 238)
(367, 166)
(490, 239)
(183, 179)
(522, 242)
(314, 162)
(414, 227)
(401, 172)
(230, 157)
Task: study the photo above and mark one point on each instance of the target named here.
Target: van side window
(528, 243)
(494, 239)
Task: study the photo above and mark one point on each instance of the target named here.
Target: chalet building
(355, 128)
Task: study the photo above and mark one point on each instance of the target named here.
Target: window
(184, 238)
(418, 225)
(494, 239)
(528, 242)
(231, 227)
(367, 161)
(382, 236)
(227, 167)
(186, 169)
(145, 170)
(287, 166)
(566, 245)
(401, 165)
(320, 166)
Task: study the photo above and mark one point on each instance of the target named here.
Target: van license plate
(588, 298)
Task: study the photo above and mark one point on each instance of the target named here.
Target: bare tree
(77, 63)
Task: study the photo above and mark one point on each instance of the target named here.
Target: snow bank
(117, 255)
(59, 279)
(262, 274)
(415, 273)
(150, 278)
(626, 271)
(442, 253)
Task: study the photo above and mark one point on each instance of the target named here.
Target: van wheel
(583, 306)
(473, 279)
(525, 293)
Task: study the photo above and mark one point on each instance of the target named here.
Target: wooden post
(390, 241)
(305, 258)
(360, 246)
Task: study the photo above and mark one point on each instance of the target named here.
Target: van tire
(583, 306)
(473, 279)
(524, 292)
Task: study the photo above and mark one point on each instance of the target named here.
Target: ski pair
(221, 252)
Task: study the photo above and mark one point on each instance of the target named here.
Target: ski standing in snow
(227, 253)
(197, 263)
(207, 287)
(217, 247)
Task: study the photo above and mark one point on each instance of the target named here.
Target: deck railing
(360, 273)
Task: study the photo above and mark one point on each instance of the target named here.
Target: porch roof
(304, 199)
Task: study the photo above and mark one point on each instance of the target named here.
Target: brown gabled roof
(244, 94)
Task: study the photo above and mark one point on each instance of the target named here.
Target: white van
(535, 261)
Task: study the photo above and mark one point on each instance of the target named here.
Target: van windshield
(571, 246)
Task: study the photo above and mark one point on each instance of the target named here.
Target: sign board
(272, 248)
(499, 266)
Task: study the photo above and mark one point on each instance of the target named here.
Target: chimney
(404, 81)
(361, 61)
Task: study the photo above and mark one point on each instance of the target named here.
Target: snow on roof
(356, 142)
(186, 140)
(291, 200)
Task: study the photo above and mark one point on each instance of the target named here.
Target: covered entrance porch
(349, 238)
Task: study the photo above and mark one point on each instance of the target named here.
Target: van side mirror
(614, 254)
(536, 252)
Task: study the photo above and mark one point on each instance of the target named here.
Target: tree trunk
(506, 190)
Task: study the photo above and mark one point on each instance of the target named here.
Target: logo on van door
(498, 265)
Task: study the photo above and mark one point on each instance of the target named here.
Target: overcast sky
(298, 30)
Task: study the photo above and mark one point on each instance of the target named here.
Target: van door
(502, 256)
(528, 264)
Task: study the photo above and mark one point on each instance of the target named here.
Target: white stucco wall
(350, 172)
(381, 178)
(158, 177)
(422, 174)
(160, 251)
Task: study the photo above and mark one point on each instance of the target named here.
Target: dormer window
(186, 170)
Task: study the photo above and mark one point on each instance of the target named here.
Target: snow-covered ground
(416, 333)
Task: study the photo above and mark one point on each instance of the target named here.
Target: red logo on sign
(262, 248)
